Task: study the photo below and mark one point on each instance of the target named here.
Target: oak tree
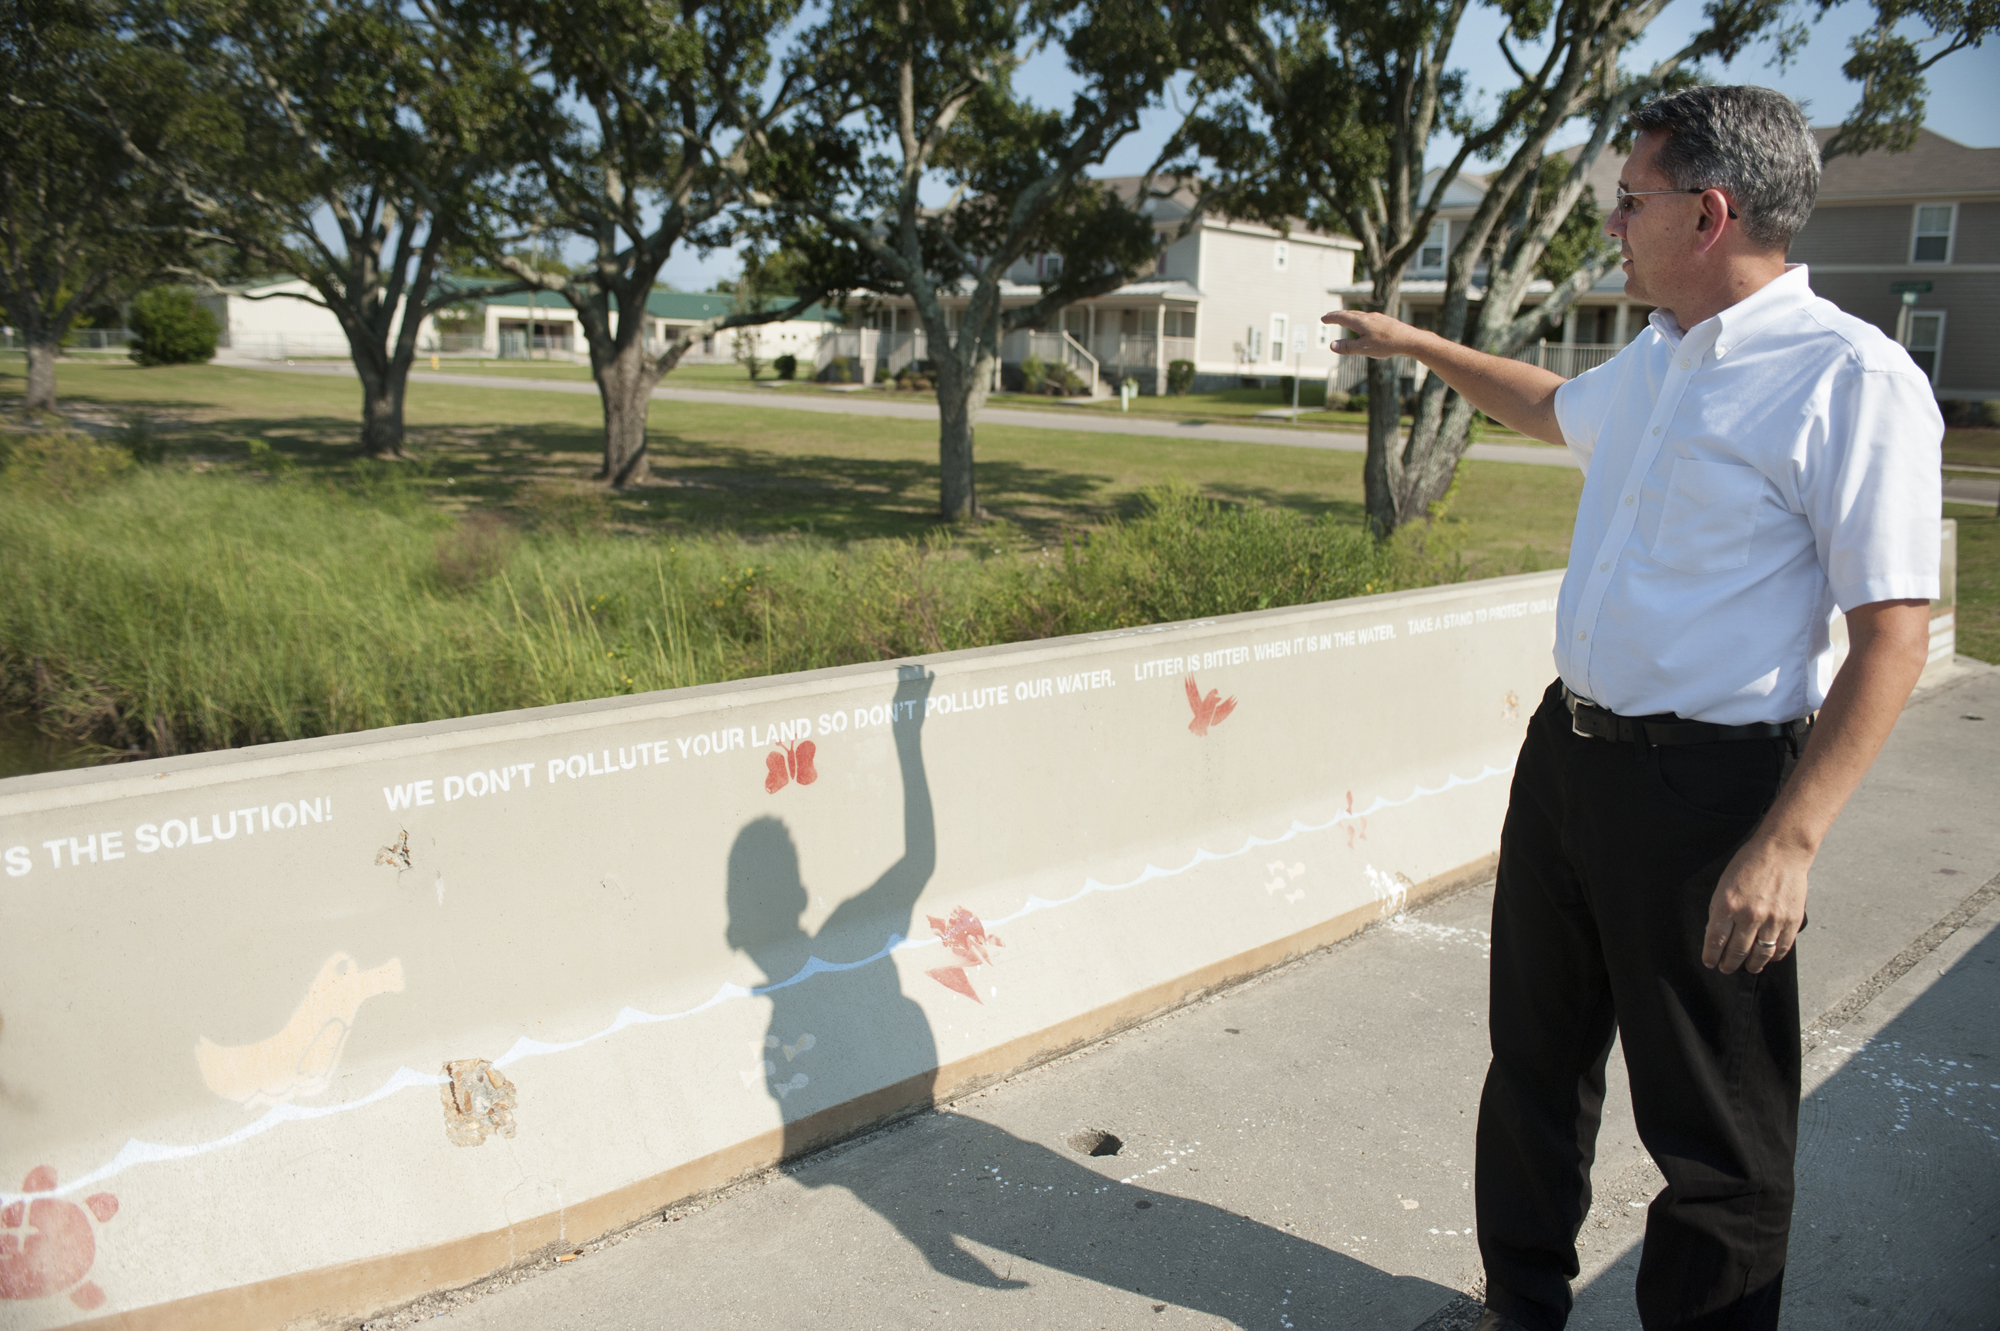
(80, 224)
(362, 146)
(918, 169)
(645, 115)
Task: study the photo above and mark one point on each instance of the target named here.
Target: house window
(1431, 255)
(1278, 323)
(1281, 256)
(1180, 323)
(1933, 234)
(1051, 266)
(1926, 340)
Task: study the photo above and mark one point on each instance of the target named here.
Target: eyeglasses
(1623, 203)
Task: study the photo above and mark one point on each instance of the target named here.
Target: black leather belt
(1594, 722)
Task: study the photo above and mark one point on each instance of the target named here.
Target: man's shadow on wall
(842, 1030)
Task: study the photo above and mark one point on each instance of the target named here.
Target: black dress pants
(1609, 856)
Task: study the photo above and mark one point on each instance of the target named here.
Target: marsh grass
(164, 609)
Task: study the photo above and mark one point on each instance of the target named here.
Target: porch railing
(1350, 373)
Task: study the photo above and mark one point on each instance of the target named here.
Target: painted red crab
(965, 937)
(47, 1245)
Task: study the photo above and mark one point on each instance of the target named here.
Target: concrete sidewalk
(869, 404)
(1297, 1152)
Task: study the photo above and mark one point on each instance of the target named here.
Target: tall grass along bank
(161, 610)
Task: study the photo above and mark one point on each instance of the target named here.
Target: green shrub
(170, 328)
(1338, 400)
(1180, 376)
(1033, 371)
(1968, 414)
(787, 366)
(61, 465)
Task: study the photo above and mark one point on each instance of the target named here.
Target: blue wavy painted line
(136, 1152)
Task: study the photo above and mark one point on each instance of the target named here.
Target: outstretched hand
(1374, 334)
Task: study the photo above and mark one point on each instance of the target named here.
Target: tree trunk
(961, 392)
(381, 412)
(1382, 473)
(41, 374)
(625, 382)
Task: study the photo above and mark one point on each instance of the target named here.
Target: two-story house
(1911, 243)
(1237, 299)
(1601, 321)
(1908, 241)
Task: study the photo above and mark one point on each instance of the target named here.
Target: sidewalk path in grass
(1959, 490)
(1297, 1151)
(868, 404)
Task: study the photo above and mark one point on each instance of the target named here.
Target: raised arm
(1521, 397)
(893, 896)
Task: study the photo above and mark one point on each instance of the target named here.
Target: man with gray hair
(1755, 462)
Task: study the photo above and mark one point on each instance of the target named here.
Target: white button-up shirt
(1744, 479)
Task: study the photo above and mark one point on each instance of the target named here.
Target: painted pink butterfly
(1210, 711)
(794, 764)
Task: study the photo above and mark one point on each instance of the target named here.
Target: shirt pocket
(1709, 517)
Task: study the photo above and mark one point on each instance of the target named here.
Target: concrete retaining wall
(292, 1034)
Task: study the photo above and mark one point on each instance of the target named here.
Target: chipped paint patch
(478, 1101)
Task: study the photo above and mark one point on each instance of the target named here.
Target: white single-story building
(273, 319)
(513, 325)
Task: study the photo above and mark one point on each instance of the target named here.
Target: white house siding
(793, 337)
(1243, 289)
(277, 324)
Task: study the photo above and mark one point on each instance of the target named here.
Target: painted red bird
(1207, 711)
(794, 764)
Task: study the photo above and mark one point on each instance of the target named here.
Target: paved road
(1961, 491)
(1081, 421)
(1297, 1152)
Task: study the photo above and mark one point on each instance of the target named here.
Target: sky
(1964, 102)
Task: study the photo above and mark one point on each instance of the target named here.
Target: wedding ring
(1767, 945)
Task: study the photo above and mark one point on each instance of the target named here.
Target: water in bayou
(25, 749)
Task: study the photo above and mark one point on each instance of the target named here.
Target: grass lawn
(767, 473)
(1978, 581)
(1971, 447)
(1235, 406)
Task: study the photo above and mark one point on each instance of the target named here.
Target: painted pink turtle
(47, 1245)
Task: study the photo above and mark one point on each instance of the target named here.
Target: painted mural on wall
(300, 1059)
(1208, 711)
(840, 1002)
(48, 1245)
(794, 762)
(964, 936)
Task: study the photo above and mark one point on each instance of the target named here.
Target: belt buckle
(1601, 730)
(1577, 706)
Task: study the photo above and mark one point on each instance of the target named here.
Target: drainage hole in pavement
(1095, 1141)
